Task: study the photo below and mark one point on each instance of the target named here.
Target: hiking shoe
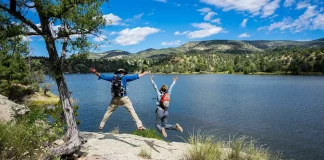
(141, 128)
(164, 132)
(179, 128)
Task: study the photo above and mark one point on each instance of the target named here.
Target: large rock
(109, 146)
(9, 109)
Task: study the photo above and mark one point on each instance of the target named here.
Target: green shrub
(149, 133)
(27, 138)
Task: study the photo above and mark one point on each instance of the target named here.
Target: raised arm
(93, 70)
(101, 76)
(173, 83)
(155, 87)
(142, 74)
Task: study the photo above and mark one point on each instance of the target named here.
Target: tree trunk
(71, 138)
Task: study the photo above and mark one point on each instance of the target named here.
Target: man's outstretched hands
(175, 78)
(142, 74)
(93, 70)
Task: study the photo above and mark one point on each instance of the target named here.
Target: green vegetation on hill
(280, 60)
(290, 61)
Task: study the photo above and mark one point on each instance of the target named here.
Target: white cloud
(172, 43)
(204, 10)
(289, 3)
(303, 40)
(270, 8)
(112, 19)
(243, 24)
(139, 16)
(302, 5)
(244, 35)
(217, 20)
(209, 15)
(26, 38)
(113, 33)
(252, 6)
(263, 28)
(206, 30)
(318, 22)
(100, 38)
(164, 1)
(303, 22)
(177, 33)
(135, 35)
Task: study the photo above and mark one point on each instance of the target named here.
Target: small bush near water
(149, 133)
(204, 147)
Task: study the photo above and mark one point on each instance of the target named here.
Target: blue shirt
(125, 79)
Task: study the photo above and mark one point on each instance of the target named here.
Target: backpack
(165, 100)
(117, 88)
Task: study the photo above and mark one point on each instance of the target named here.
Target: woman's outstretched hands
(93, 70)
(175, 78)
(152, 77)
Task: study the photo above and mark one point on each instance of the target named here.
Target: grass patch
(27, 138)
(206, 147)
(149, 133)
(115, 130)
(145, 153)
(203, 147)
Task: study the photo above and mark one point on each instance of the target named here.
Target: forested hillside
(280, 60)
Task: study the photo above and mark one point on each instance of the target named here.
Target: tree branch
(22, 18)
(32, 34)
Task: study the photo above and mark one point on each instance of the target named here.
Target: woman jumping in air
(162, 114)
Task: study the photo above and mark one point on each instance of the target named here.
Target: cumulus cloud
(205, 30)
(209, 15)
(217, 20)
(243, 24)
(112, 19)
(177, 33)
(244, 35)
(164, 1)
(289, 3)
(252, 6)
(318, 22)
(135, 35)
(204, 10)
(100, 38)
(307, 20)
(270, 8)
(172, 43)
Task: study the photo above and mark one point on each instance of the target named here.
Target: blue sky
(142, 24)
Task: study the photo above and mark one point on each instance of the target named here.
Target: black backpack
(117, 88)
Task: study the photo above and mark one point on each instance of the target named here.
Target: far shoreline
(223, 73)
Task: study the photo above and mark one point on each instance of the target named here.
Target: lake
(285, 113)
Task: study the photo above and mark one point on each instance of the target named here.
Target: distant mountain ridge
(214, 46)
(109, 54)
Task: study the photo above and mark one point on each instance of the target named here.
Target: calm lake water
(285, 113)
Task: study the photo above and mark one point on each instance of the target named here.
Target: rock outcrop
(9, 109)
(109, 146)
